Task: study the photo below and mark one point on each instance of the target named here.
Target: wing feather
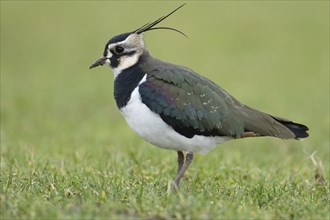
(194, 105)
(190, 104)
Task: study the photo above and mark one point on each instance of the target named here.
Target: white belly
(154, 130)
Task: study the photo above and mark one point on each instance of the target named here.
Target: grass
(66, 152)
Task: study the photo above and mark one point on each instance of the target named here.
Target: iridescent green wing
(190, 103)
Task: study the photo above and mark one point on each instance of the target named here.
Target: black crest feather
(150, 26)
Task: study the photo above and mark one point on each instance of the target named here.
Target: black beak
(98, 62)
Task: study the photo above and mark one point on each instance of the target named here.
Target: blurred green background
(273, 56)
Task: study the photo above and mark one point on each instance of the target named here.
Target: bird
(173, 107)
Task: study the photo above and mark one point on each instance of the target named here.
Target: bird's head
(124, 50)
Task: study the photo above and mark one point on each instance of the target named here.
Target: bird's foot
(182, 167)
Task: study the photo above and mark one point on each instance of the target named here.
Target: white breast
(154, 130)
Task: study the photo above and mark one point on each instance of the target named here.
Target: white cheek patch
(126, 62)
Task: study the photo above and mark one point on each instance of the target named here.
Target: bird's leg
(189, 158)
(180, 161)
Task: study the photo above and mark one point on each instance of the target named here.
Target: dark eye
(119, 49)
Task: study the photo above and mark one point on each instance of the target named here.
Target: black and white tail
(299, 130)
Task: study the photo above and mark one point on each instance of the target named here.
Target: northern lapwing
(173, 107)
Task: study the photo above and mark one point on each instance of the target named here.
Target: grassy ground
(67, 153)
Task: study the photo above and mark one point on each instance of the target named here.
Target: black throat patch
(125, 83)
